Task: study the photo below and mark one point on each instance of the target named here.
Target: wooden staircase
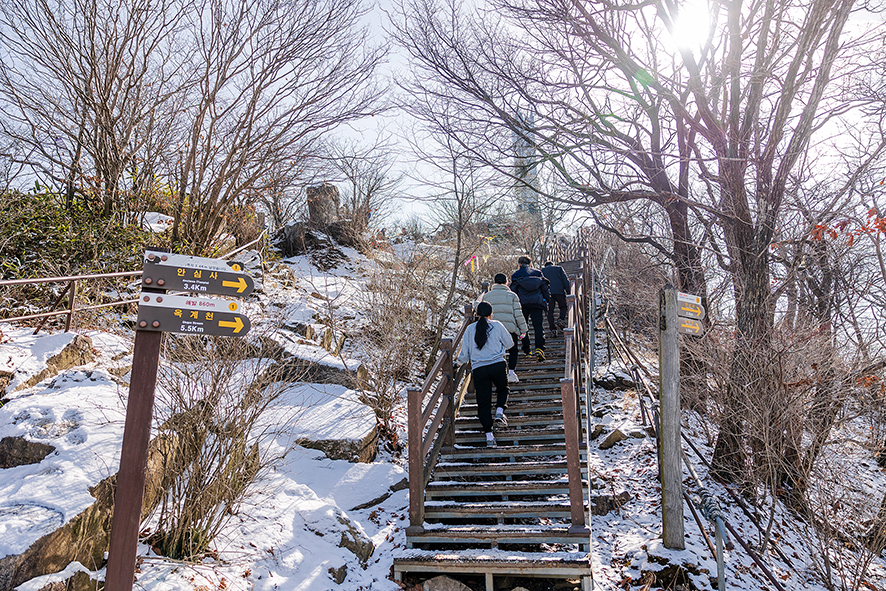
(506, 510)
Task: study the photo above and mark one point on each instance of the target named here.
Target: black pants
(514, 351)
(557, 299)
(484, 378)
(536, 316)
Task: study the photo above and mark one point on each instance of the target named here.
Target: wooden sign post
(159, 313)
(670, 460)
(679, 313)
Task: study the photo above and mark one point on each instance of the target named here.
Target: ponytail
(484, 311)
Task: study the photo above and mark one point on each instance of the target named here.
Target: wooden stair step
(508, 436)
(499, 534)
(508, 451)
(510, 562)
(452, 488)
(538, 420)
(528, 408)
(454, 470)
(496, 510)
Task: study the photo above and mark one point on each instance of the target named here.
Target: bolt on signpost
(159, 313)
(678, 313)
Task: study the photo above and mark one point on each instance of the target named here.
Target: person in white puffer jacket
(484, 345)
(507, 309)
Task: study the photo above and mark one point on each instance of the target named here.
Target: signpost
(190, 315)
(159, 313)
(195, 274)
(679, 313)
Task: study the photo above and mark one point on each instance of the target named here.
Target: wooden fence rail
(71, 288)
(424, 447)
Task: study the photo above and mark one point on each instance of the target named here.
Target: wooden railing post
(573, 458)
(71, 306)
(448, 391)
(415, 434)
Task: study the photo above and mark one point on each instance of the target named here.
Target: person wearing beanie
(559, 282)
(534, 292)
(507, 310)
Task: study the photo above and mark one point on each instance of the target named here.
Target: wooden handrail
(424, 448)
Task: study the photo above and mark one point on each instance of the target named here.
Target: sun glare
(692, 25)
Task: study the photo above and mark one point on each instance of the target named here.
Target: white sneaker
(512, 376)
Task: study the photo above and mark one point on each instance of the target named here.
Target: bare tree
(368, 182)
(272, 78)
(85, 84)
(626, 113)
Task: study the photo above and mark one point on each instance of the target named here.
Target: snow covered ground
(311, 516)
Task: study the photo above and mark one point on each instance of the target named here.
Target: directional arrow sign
(178, 272)
(170, 313)
(689, 306)
(689, 326)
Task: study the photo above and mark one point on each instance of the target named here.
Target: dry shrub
(395, 336)
(218, 400)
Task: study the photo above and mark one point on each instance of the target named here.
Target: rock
(637, 433)
(603, 504)
(323, 204)
(614, 377)
(339, 574)
(18, 451)
(443, 583)
(85, 538)
(353, 450)
(355, 540)
(5, 378)
(77, 352)
(294, 369)
(612, 439)
(596, 431)
(403, 484)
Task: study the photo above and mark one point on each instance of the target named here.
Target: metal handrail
(72, 280)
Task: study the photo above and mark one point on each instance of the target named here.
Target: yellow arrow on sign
(240, 284)
(689, 326)
(237, 325)
(692, 310)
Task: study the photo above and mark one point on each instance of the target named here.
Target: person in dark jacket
(534, 292)
(559, 288)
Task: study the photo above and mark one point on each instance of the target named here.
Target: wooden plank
(432, 430)
(669, 448)
(570, 425)
(415, 431)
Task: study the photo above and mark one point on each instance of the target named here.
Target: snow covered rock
(31, 359)
(18, 451)
(444, 583)
(612, 439)
(331, 418)
(613, 377)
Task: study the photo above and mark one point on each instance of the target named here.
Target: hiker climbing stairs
(519, 508)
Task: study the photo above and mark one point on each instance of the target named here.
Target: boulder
(444, 583)
(354, 540)
(353, 450)
(77, 352)
(339, 574)
(603, 504)
(612, 439)
(323, 203)
(18, 451)
(85, 538)
(613, 377)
